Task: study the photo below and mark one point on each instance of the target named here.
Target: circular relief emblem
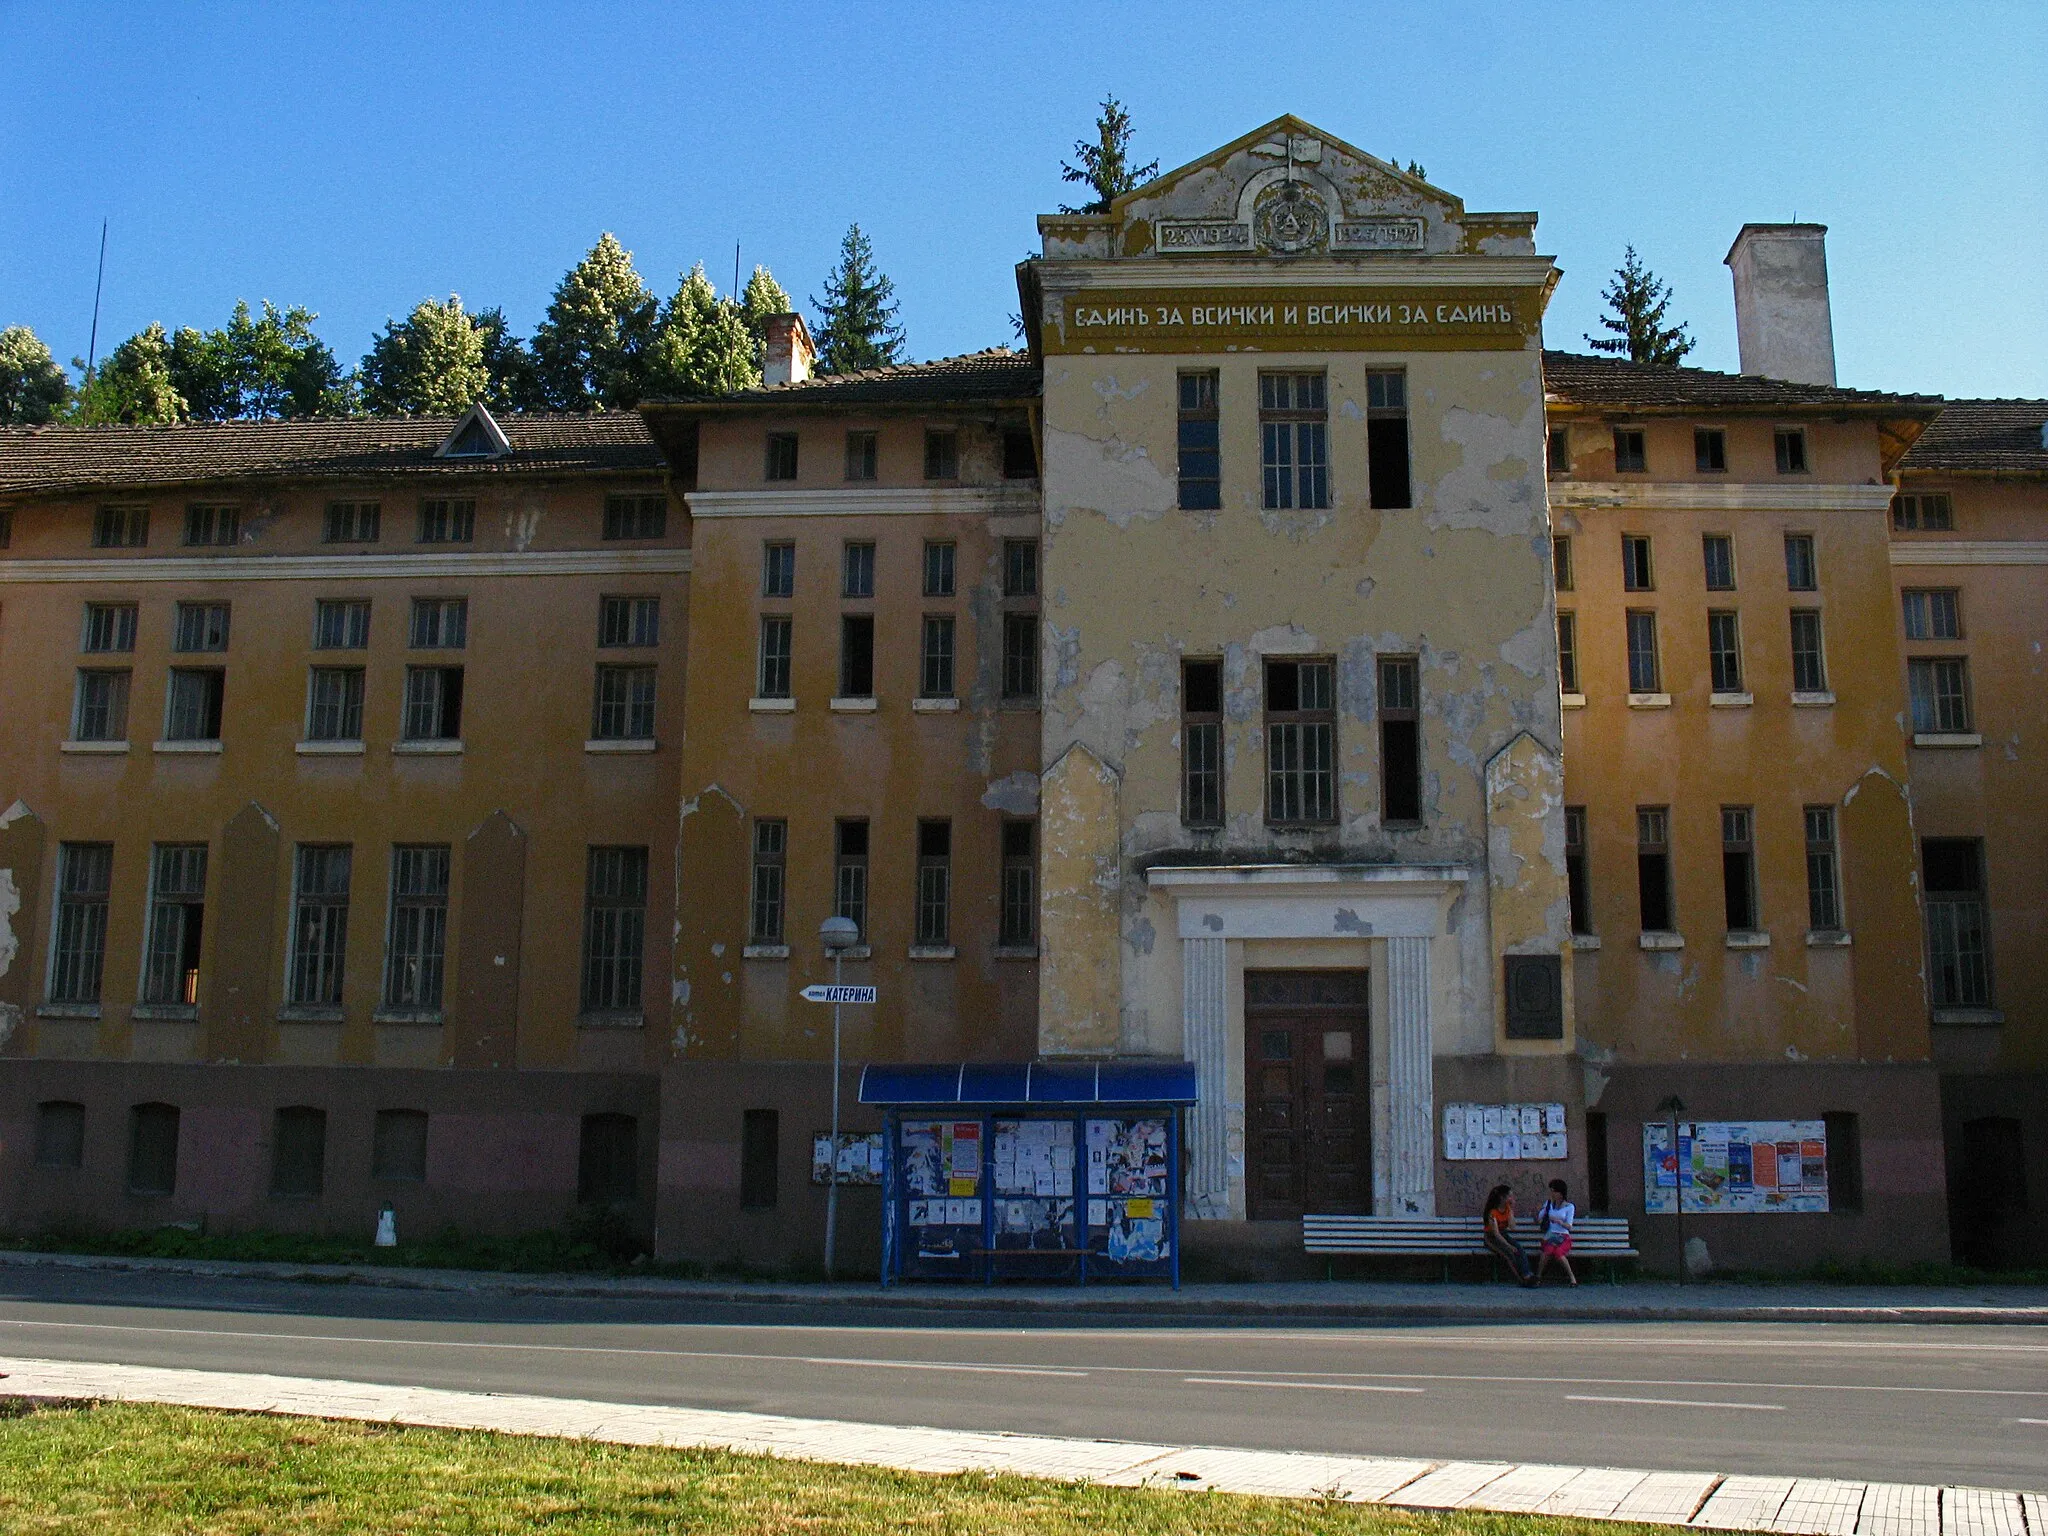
(1290, 219)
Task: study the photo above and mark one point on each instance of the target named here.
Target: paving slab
(1898, 1509)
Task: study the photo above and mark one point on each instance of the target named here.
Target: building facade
(1283, 665)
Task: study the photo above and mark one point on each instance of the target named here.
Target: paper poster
(924, 1146)
(1138, 1208)
(860, 1158)
(1504, 1132)
(1769, 1167)
(1553, 1119)
(1098, 1213)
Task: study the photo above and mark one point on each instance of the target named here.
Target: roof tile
(1985, 437)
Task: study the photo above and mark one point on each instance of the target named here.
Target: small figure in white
(387, 1228)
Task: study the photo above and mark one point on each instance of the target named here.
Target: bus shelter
(1031, 1170)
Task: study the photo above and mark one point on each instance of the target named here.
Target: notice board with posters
(1738, 1167)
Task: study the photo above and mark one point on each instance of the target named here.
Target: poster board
(1506, 1133)
(860, 1157)
(1739, 1167)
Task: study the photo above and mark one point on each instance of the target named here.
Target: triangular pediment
(476, 436)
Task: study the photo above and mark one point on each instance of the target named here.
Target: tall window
(935, 663)
(1653, 867)
(193, 703)
(1020, 454)
(109, 628)
(125, 527)
(1201, 743)
(628, 622)
(1386, 438)
(850, 874)
(1400, 739)
(1709, 450)
(1020, 620)
(84, 877)
(1294, 439)
(1019, 927)
(200, 627)
(941, 455)
(934, 882)
(856, 655)
(100, 712)
(1575, 869)
(153, 1149)
(1301, 742)
(1644, 673)
(608, 1159)
(623, 709)
(447, 520)
(780, 456)
(1738, 867)
(1630, 454)
(1934, 614)
(418, 945)
(352, 522)
(1718, 551)
(778, 570)
(298, 1153)
(433, 704)
(177, 912)
(1791, 446)
(857, 569)
(1823, 870)
(1558, 451)
(319, 925)
(614, 929)
(860, 455)
(939, 561)
(1567, 651)
(1201, 448)
(1939, 687)
(641, 515)
(1802, 571)
(1561, 561)
(341, 625)
(334, 704)
(1925, 512)
(1958, 951)
(775, 646)
(209, 523)
(1020, 568)
(1724, 651)
(771, 869)
(1637, 572)
(760, 1158)
(1809, 659)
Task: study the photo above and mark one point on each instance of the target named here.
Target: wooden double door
(1308, 1132)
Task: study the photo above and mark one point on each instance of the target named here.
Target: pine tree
(431, 363)
(1638, 301)
(762, 297)
(32, 385)
(702, 345)
(857, 317)
(588, 351)
(1105, 164)
(132, 384)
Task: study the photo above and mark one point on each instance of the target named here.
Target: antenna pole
(735, 269)
(92, 347)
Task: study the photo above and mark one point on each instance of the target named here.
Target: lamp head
(839, 934)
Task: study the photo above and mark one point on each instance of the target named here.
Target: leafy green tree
(857, 317)
(1105, 165)
(132, 384)
(588, 351)
(762, 297)
(32, 384)
(1638, 302)
(259, 368)
(431, 363)
(515, 383)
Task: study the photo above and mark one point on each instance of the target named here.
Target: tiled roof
(1574, 378)
(1984, 437)
(61, 458)
(997, 374)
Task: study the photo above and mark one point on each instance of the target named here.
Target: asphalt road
(1921, 1404)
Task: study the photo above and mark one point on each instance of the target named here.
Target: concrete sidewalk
(1694, 1500)
(1359, 1300)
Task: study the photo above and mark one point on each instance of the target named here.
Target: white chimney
(1782, 322)
(789, 354)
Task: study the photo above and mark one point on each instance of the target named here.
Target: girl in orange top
(1499, 1216)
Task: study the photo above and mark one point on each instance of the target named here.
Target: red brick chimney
(789, 352)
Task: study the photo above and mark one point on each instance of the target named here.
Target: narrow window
(1386, 439)
(1400, 740)
(1823, 870)
(153, 1149)
(1939, 687)
(857, 569)
(210, 524)
(760, 1159)
(1738, 867)
(192, 704)
(623, 709)
(1724, 651)
(1019, 928)
(1201, 743)
(298, 1153)
(850, 874)
(1718, 550)
(778, 570)
(177, 922)
(1809, 661)
(856, 656)
(1709, 450)
(1567, 651)
(1301, 743)
(6, 526)
(398, 1146)
(641, 515)
(1201, 449)
(319, 925)
(1959, 957)
(100, 712)
(939, 561)
(1934, 614)
(447, 520)
(352, 522)
(440, 623)
(1294, 440)
(775, 644)
(334, 704)
(1630, 457)
(1020, 455)
(1558, 454)
(60, 1134)
(1927, 512)
(1791, 442)
(1599, 1189)
(1653, 868)
(120, 528)
(1020, 568)
(1020, 620)
(200, 627)
(1644, 673)
(1802, 574)
(608, 1159)
(780, 456)
(433, 704)
(109, 627)
(1637, 572)
(1845, 1162)
(614, 929)
(935, 664)
(1575, 869)
(861, 455)
(1561, 561)
(941, 455)
(84, 878)
(934, 882)
(771, 868)
(341, 625)
(418, 946)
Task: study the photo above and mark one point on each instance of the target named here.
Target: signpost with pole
(839, 935)
(1673, 1106)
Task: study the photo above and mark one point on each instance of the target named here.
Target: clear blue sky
(358, 158)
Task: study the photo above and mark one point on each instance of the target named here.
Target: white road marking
(935, 1365)
(2030, 1421)
(1308, 1386)
(1670, 1402)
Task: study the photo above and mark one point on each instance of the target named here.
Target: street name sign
(838, 994)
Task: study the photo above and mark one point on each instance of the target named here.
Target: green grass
(129, 1469)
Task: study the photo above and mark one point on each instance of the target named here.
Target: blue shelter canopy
(1030, 1082)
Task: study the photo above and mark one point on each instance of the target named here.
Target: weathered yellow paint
(1079, 996)
(1525, 871)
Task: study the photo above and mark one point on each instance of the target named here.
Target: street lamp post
(1672, 1107)
(839, 935)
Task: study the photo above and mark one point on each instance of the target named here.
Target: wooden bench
(1454, 1237)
